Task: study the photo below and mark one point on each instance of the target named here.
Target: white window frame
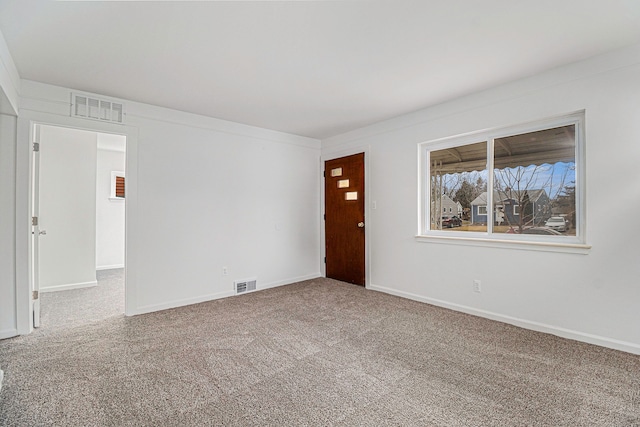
(482, 207)
(516, 209)
(573, 244)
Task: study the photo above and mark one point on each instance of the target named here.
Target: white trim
(626, 346)
(497, 242)
(576, 119)
(181, 302)
(289, 281)
(26, 120)
(46, 98)
(69, 286)
(8, 333)
(182, 118)
(218, 295)
(110, 267)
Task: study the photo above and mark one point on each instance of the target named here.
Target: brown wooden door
(344, 220)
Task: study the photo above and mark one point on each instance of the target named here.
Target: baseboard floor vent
(104, 110)
(245, 286)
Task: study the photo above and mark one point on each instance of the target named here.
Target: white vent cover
(244, 286)
(89, 107)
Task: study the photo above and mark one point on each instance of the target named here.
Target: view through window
(513, 183)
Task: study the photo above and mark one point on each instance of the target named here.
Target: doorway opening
(79, 198)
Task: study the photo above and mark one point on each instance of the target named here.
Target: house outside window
(527, 173)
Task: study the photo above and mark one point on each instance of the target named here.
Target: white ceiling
(309, 68)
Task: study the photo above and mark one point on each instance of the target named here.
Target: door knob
(361, 225)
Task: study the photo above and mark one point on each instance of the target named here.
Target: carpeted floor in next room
(315, 353)
(80, 306)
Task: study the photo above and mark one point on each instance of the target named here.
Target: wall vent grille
(244, 286)
(89, 107)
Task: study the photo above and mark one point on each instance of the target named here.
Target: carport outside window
(526, 174)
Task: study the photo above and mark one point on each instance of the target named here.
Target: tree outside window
(526, 177)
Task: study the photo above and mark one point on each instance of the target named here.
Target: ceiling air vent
(244, 286)
(89, 107)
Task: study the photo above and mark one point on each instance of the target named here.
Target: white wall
(67, 208)
(109, 212)
(593, 297)
(212, 199)
(8, 325)
(202, 194)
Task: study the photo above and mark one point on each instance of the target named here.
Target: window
(120, 186)
(526, 173)
(117, 186)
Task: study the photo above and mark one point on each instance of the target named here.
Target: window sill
(117, 198)
(563, 247)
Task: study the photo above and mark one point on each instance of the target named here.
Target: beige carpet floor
(315, 353)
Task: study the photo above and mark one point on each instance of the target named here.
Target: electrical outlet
(224, 271)
(477, 286)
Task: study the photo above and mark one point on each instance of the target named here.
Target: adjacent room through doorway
(79, 234)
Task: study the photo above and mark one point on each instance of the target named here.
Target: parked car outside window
(450, 222)
(557, 223)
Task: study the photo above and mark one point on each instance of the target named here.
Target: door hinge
(34, 221)
(36, 146)
(324, 174)
(325, 216)
(325, 260)
(35, 295)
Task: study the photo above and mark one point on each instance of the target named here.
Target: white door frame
(24, 207)
(35, 232)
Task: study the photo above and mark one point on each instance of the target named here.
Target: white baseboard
(181, 302)
(288, 281)
(8, 333)
(69, 286)
(217, 295)
(109, 267)
(628, 347)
